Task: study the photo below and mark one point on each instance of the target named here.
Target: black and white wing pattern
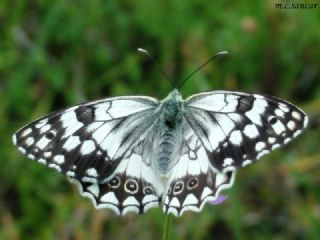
(193, 181)
(238, 128)
(88, 141)
(134, 187)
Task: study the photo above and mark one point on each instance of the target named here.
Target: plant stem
(167, 227)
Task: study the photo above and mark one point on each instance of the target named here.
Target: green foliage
(54, 54)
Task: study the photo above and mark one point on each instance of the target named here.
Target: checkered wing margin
(238, 128)
(87, 142)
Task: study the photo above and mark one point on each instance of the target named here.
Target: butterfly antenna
(157, 64)
(204, 64)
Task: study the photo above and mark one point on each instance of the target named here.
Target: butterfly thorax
(171, 116)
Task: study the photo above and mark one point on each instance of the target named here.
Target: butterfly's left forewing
(88, 141)
(238, 128)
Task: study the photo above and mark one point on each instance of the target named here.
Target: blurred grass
(56, 54)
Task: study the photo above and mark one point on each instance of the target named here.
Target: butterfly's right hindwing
(88, 141)
(134, 187)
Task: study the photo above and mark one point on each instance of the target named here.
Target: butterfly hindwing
(193, 181)
(133, 187)
(238, 128)
(88, 141)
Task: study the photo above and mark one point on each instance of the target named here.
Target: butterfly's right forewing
(88, 141)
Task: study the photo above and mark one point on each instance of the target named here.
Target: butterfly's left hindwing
(88, 141)
(238, 128)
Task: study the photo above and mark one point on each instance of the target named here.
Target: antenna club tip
(223, 53)
(142, 50)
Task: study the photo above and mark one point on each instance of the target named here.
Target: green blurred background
(55, 54)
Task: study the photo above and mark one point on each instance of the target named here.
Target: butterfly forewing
(238, 128)
(88, 141)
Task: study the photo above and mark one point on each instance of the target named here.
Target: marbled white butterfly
(133, 153)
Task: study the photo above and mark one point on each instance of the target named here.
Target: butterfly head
(174, 95)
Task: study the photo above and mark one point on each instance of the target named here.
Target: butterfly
(133, 153)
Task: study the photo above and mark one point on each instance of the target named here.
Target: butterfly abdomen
(170, 133)
(165, 150)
